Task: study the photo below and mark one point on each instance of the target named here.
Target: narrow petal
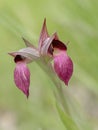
(63, 66)
(28, 44)
(22, 77)
(47, 44)
(43, 35)
(56, 36)
(29, 53)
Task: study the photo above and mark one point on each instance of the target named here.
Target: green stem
(58, 92)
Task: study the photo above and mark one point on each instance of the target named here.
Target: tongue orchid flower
(48, 47)
(21, 72)
(63, 64)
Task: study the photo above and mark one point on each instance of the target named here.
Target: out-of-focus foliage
(75, 21)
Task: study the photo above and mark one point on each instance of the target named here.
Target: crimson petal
(63, 66)
(44, 34)
(22, 77)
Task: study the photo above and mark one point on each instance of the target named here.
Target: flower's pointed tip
(66, 83)
(56, 36)
(44, 21)
(44, 28)
(27, 43)
(27, 94)
(44, 34)
(12, 54)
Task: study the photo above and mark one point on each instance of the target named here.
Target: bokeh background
(75, 21)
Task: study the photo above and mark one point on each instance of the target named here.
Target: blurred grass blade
(66, 120)
(86, 78)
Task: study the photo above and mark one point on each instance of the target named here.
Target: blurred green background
(75, 21)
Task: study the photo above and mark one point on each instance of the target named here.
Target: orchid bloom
(21, 72)
(48, 46)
